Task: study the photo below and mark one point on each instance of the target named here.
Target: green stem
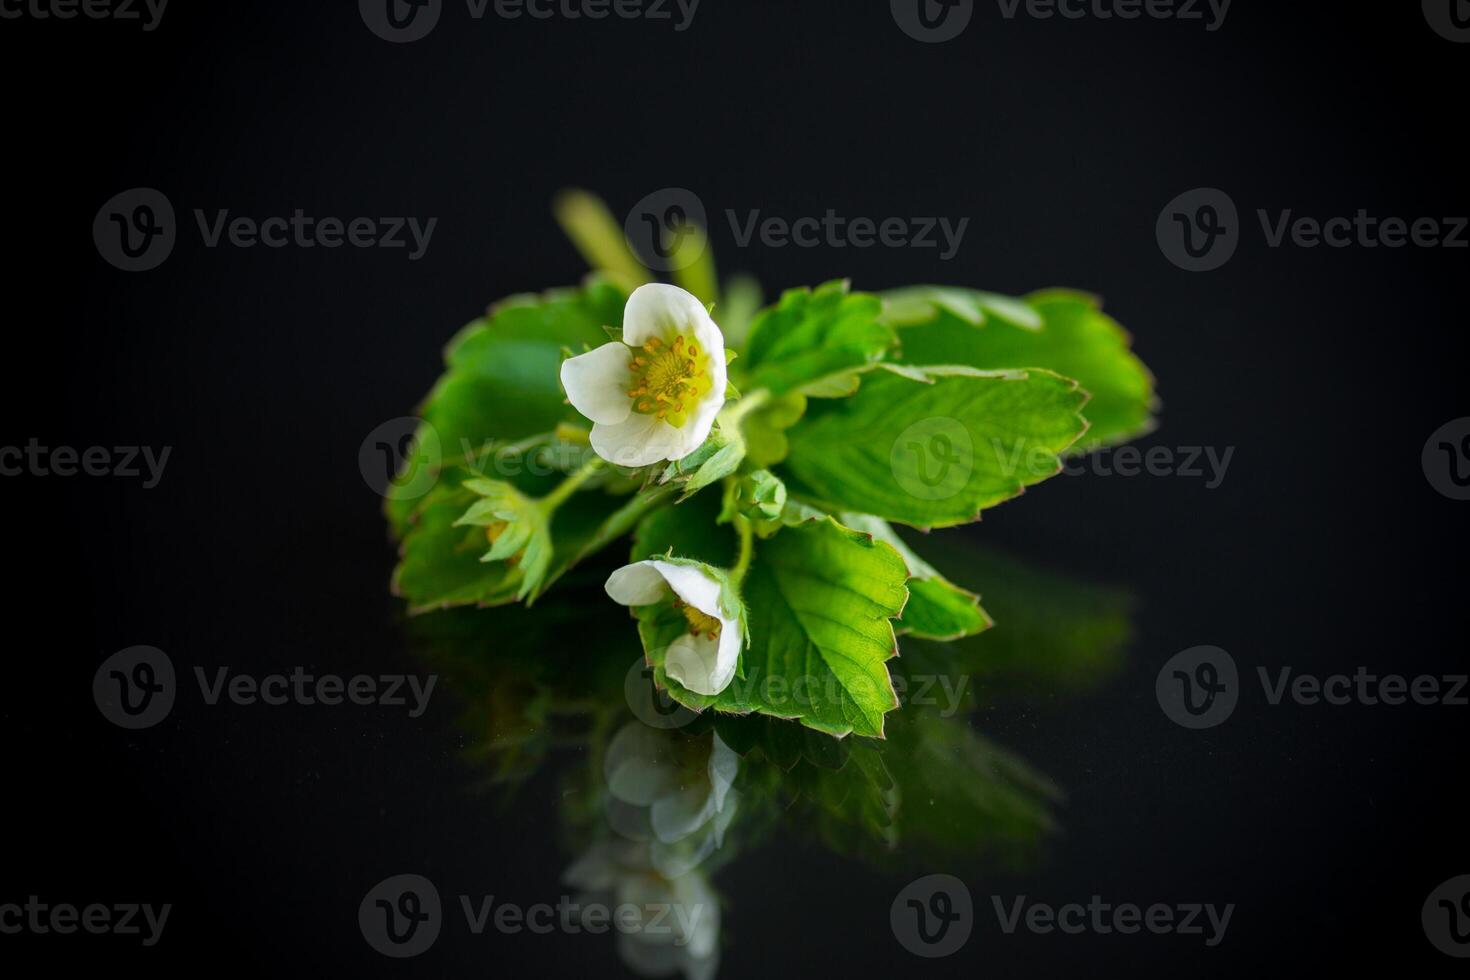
(599, 237)
(570, 485)
(747, 549)
(731, 414)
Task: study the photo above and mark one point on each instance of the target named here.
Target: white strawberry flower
(653, 395)
(702, 660)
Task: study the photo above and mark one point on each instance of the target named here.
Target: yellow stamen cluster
(699, 622)
(668, 379)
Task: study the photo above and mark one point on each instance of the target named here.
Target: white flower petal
(639, 767)
(694, 661)
(724, 766)
(676, 815)
(595, 869)
(640, 440)
(628, 820)
(701, 421)
(597, 383)
(663, 311)
(638, 584)
(692, 585)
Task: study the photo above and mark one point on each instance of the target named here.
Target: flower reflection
(669, 801)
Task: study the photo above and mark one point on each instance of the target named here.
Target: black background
(262, 549)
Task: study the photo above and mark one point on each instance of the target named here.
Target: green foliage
(935, 453)
(937, 609)
(1057, 329)
(922, 407)
(812, 336)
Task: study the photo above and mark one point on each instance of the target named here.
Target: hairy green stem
(747, 549)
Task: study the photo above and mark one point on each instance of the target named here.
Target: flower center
(669, 379)
(699, 622)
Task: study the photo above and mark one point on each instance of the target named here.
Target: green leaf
(821, 601)
(1060, 330)
(936, 454)
(501, 386)
(811, 335)
(916, 305)
(719, 456)
(765, 429)
(940, 610)
(937, 609)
